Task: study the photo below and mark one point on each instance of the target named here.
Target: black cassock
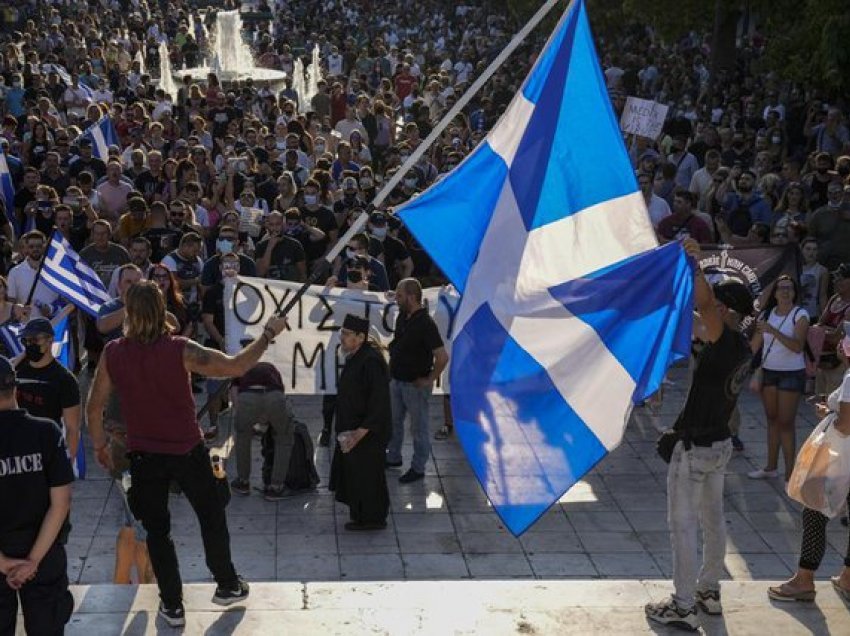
(363, 401)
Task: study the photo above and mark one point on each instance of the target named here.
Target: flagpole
(325, 264)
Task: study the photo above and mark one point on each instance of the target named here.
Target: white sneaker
(669, 613)
(761, 473)
(708, 601)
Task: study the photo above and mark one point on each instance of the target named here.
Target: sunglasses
(161, 277)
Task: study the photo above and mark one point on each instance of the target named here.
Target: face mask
(365, 183)
(224, 246)
(311, 199)
(404, 158)
(379, 232)
(354, 276)
(33, 352)
(410, 183)
(350, 253)
(776, 140)
(822, 170)
(319, 148)
(16, 84)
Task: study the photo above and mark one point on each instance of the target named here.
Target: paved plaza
(609, 531)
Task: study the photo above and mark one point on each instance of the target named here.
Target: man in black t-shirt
(698, 462)
(417, 358)
(314, 214)
(35, 488)
(280, 257)
(388, 248)
(45, 387)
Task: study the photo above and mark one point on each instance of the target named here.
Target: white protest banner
(643, 117)
(307, 354)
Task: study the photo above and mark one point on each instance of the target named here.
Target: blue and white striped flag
(10, 336)
(102, 134)
(69, 276)
(62, 352)
(570, 312)
(65, 77)
(7, 190)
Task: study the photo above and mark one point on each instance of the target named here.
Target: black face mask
(33, 352)
(354, 276)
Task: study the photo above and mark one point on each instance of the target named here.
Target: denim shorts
(794, 381)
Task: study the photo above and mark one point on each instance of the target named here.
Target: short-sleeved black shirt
(720, 371)
(323, 219)
(285, 255)
(213, 304)
(47, 391)
(33, 459)
(413, 345)
(394, 252)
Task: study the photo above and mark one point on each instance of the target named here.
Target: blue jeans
(406, 398)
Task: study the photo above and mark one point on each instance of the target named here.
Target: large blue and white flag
(570, 313)
(72, 278)
(65, 77)
(102, 134)
(7, 190)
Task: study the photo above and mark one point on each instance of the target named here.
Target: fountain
(141, 60)
(314, 74)
(298, 84)
(166, 80)
(231, 58)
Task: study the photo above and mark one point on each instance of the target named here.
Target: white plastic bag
(821, 477)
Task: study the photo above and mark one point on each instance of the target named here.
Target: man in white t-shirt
(655, 205)
(704, 177)
(22, 276)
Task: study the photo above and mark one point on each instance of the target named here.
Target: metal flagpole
(324, 265)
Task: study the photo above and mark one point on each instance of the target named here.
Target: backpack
(301, 474)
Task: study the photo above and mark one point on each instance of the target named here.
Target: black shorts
(793, 381)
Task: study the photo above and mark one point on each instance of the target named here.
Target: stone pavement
(611, 526)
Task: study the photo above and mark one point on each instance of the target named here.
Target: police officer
(35, 496)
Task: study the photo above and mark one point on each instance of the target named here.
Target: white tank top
(779, 357)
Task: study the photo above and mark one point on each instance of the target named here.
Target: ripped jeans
(695, 496)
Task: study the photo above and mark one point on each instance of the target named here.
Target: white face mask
(311, 199)
(365, 183)
(319, 148)
(410, 183)
(379, 232)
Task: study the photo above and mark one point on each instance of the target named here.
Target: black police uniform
(33, 459)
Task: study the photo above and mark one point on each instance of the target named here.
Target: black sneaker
(390, 464)
(230, 595)
(240, 487)
(411, 476)
(325, 438)
(737, 444)
(277, 493)
(174, 616)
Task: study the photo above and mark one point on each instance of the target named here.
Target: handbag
(757, 378)
(665, 444)
(821, 476)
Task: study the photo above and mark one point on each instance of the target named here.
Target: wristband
(268, 340)
(266, 331)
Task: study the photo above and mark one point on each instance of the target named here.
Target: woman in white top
(801, 586)
(781, 335)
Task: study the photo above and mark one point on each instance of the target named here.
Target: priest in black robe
(363, 427)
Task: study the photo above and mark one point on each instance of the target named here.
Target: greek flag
(7, 190)
(10, 336)
(570, 312)
(102, 134)
(69, 276)
(65, 77)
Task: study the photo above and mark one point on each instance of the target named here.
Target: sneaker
(325, 438)
(389, 464)
(410, 476)
(708, 601)
(276, 493)
(762, 474)
(669, 613)
(229, 596)
(241, 487)
(211, 433)
(174, 616)
(737, 444)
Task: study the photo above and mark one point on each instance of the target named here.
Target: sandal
(779, 593)
(843, 592)
(445, 432)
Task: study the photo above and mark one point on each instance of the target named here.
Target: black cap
(377, 218)
(354, 323)
(37, 327)
(85, 142)
(8, 378)
(735, 295)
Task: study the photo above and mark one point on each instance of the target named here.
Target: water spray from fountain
(166, 80)
(141, 60)
(299, 85)
(314, 74)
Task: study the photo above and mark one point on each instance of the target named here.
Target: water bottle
(126, 481)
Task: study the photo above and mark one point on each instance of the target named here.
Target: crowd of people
(223, 178)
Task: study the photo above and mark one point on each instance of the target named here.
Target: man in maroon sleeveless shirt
(151, 372)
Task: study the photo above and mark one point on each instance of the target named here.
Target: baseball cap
(36, 327)
(377, 218)
(735, 295)
(85, 142)
(8, 377)
(181, 143)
